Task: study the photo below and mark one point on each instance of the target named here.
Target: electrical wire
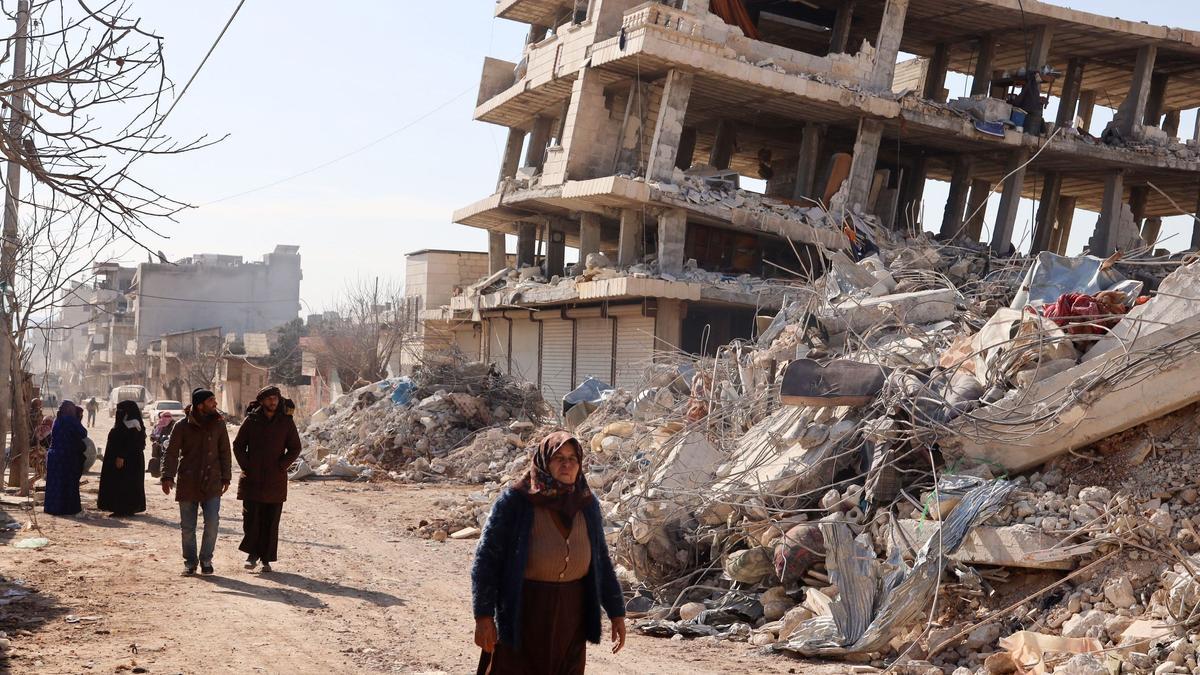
(200, 67)
(347, 155)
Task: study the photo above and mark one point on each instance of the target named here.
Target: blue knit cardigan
(498, 573)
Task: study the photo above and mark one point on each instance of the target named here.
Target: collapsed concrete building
(632, 124)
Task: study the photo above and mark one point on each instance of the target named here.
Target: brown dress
(553, 602)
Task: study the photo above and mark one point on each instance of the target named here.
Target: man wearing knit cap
(199, 454)
(266, 445)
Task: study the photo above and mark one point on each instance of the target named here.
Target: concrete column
(589, 234)
(1047, 211)
(687, 149)
(497, 256)
(1104, 240)
(887, 46)
(512, 155)
(697, 6)
(1156, 98)
(526, 244)
(1038, 55)
(1062, 226)
(539, 137)
(985, 63)
(1087, 107)
(1196, 223)
(1068, 101)
(668, 326)
(668, 129)
(1133, 110)
(1171, 123)
(1150, 231)
(956, 203)
(981, 190)
(935, 75)
(672, 238)
(723, 145)
(1138, 196)
(536, 34)
(1010, 201)
(840, 39)
(810, 152)
(862, 165)
(629, 248)
(556, 250)
(913, 193)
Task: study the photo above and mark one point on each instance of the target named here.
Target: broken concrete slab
(1009, 546)
(920, 307)
(1080, 406)
(689, 465)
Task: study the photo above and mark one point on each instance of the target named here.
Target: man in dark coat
(199, 454)
(266, 445)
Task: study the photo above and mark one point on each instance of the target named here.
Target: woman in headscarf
(41, 438)
(160, 437)
(64, 462)
(122, 484)
(542, 571)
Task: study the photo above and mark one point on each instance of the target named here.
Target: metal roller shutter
(557, 341)
(635, 350)
(525, 348)
(594, 350)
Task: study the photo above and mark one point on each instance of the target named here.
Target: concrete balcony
(534, 12)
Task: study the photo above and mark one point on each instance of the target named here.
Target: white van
(129, 392)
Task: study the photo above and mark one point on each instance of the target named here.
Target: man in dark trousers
(265, 446)
(198, 453)
(93, 406)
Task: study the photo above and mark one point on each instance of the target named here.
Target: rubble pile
(457, 420)
(931, 460)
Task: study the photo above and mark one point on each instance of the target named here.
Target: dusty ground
(354, 592)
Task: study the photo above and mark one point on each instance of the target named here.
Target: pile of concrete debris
(931, 459)
(450, 420)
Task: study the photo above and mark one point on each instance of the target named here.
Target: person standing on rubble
(266, 445)
(199, 454)
(542, 570)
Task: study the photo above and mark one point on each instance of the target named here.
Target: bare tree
(373, 324)
(86, 101)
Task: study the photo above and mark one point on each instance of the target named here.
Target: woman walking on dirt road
(64, 462)
(122, 484)
(542, 570)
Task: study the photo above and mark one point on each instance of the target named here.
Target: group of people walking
(542, 572)
(195, 459)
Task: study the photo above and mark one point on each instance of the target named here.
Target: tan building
(634, 126)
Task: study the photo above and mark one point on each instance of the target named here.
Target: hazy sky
(297, 83)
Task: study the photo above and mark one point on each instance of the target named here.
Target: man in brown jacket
(199, 455)
(266, 445)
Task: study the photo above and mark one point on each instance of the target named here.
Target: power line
(347, 155)
(200, 67)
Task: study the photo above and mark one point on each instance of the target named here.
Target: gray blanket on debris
(876, 600)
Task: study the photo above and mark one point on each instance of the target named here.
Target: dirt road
(353, 592)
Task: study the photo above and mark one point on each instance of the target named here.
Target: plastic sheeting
(877, 599)
(1052, 276)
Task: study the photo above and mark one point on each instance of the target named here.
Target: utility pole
(9, 359)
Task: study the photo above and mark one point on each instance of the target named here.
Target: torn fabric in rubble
(878, 598)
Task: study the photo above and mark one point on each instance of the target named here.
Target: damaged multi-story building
(632, 126)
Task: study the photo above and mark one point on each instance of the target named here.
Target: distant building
(216, 290)
(431, 279)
